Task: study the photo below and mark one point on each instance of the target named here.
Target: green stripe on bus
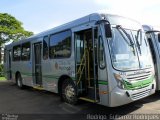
(28, 74)
(45, 76)
(50, 76)
(138, 84)
(102, 82)
(57, 77)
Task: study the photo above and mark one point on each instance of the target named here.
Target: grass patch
(2, 78)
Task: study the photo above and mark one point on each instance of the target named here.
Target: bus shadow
(121, 110)
(90, 108)
(153, 98)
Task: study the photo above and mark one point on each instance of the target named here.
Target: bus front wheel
(69, 93)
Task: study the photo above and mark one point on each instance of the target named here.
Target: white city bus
(153, 37)
(99, 58)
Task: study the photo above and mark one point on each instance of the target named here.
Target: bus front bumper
(120, 97)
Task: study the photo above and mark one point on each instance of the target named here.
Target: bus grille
(139, 76)
(140, 95)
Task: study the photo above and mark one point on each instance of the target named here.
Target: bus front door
(37, 64)
(86, 64)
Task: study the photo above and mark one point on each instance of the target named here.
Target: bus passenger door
(86, 64)
(37, 63)
(9, 72)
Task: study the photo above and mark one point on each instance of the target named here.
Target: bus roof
(77, 22)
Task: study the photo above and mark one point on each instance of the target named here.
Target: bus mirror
(108, 32)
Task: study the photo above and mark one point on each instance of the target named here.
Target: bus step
(38, 87)
(87, 99)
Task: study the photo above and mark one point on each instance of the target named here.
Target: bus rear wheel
(19, 81)
(69, 93)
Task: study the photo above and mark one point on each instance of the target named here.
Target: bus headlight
(120, 84)
(119, 79)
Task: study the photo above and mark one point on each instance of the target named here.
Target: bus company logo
(56, 66)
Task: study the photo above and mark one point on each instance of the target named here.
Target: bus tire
(19, 81)
(69, 93)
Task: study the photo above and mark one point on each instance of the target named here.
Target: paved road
(31, 102)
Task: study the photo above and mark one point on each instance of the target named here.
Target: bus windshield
(129, 54)
(123, 54)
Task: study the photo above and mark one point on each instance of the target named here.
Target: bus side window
(26, 51)
(17, 53)
(60, 45)
(45, 48)
(79, 46)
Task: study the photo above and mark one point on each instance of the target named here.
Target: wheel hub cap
(69, 91)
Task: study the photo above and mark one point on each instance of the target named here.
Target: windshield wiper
(139, 32)
(130, 43)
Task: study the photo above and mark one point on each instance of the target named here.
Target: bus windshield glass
(129, 50)
(123, 52)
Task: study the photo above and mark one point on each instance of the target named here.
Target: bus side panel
(15, 68)
(26, 73)
(7, 64)
(52, 70)
(49, 79)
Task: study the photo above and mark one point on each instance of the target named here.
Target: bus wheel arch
(18, 79)
(66, 83)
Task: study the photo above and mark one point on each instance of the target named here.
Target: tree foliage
(11, 29)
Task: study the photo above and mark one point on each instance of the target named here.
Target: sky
(40, 15)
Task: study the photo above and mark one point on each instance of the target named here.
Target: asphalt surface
(30, 104)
